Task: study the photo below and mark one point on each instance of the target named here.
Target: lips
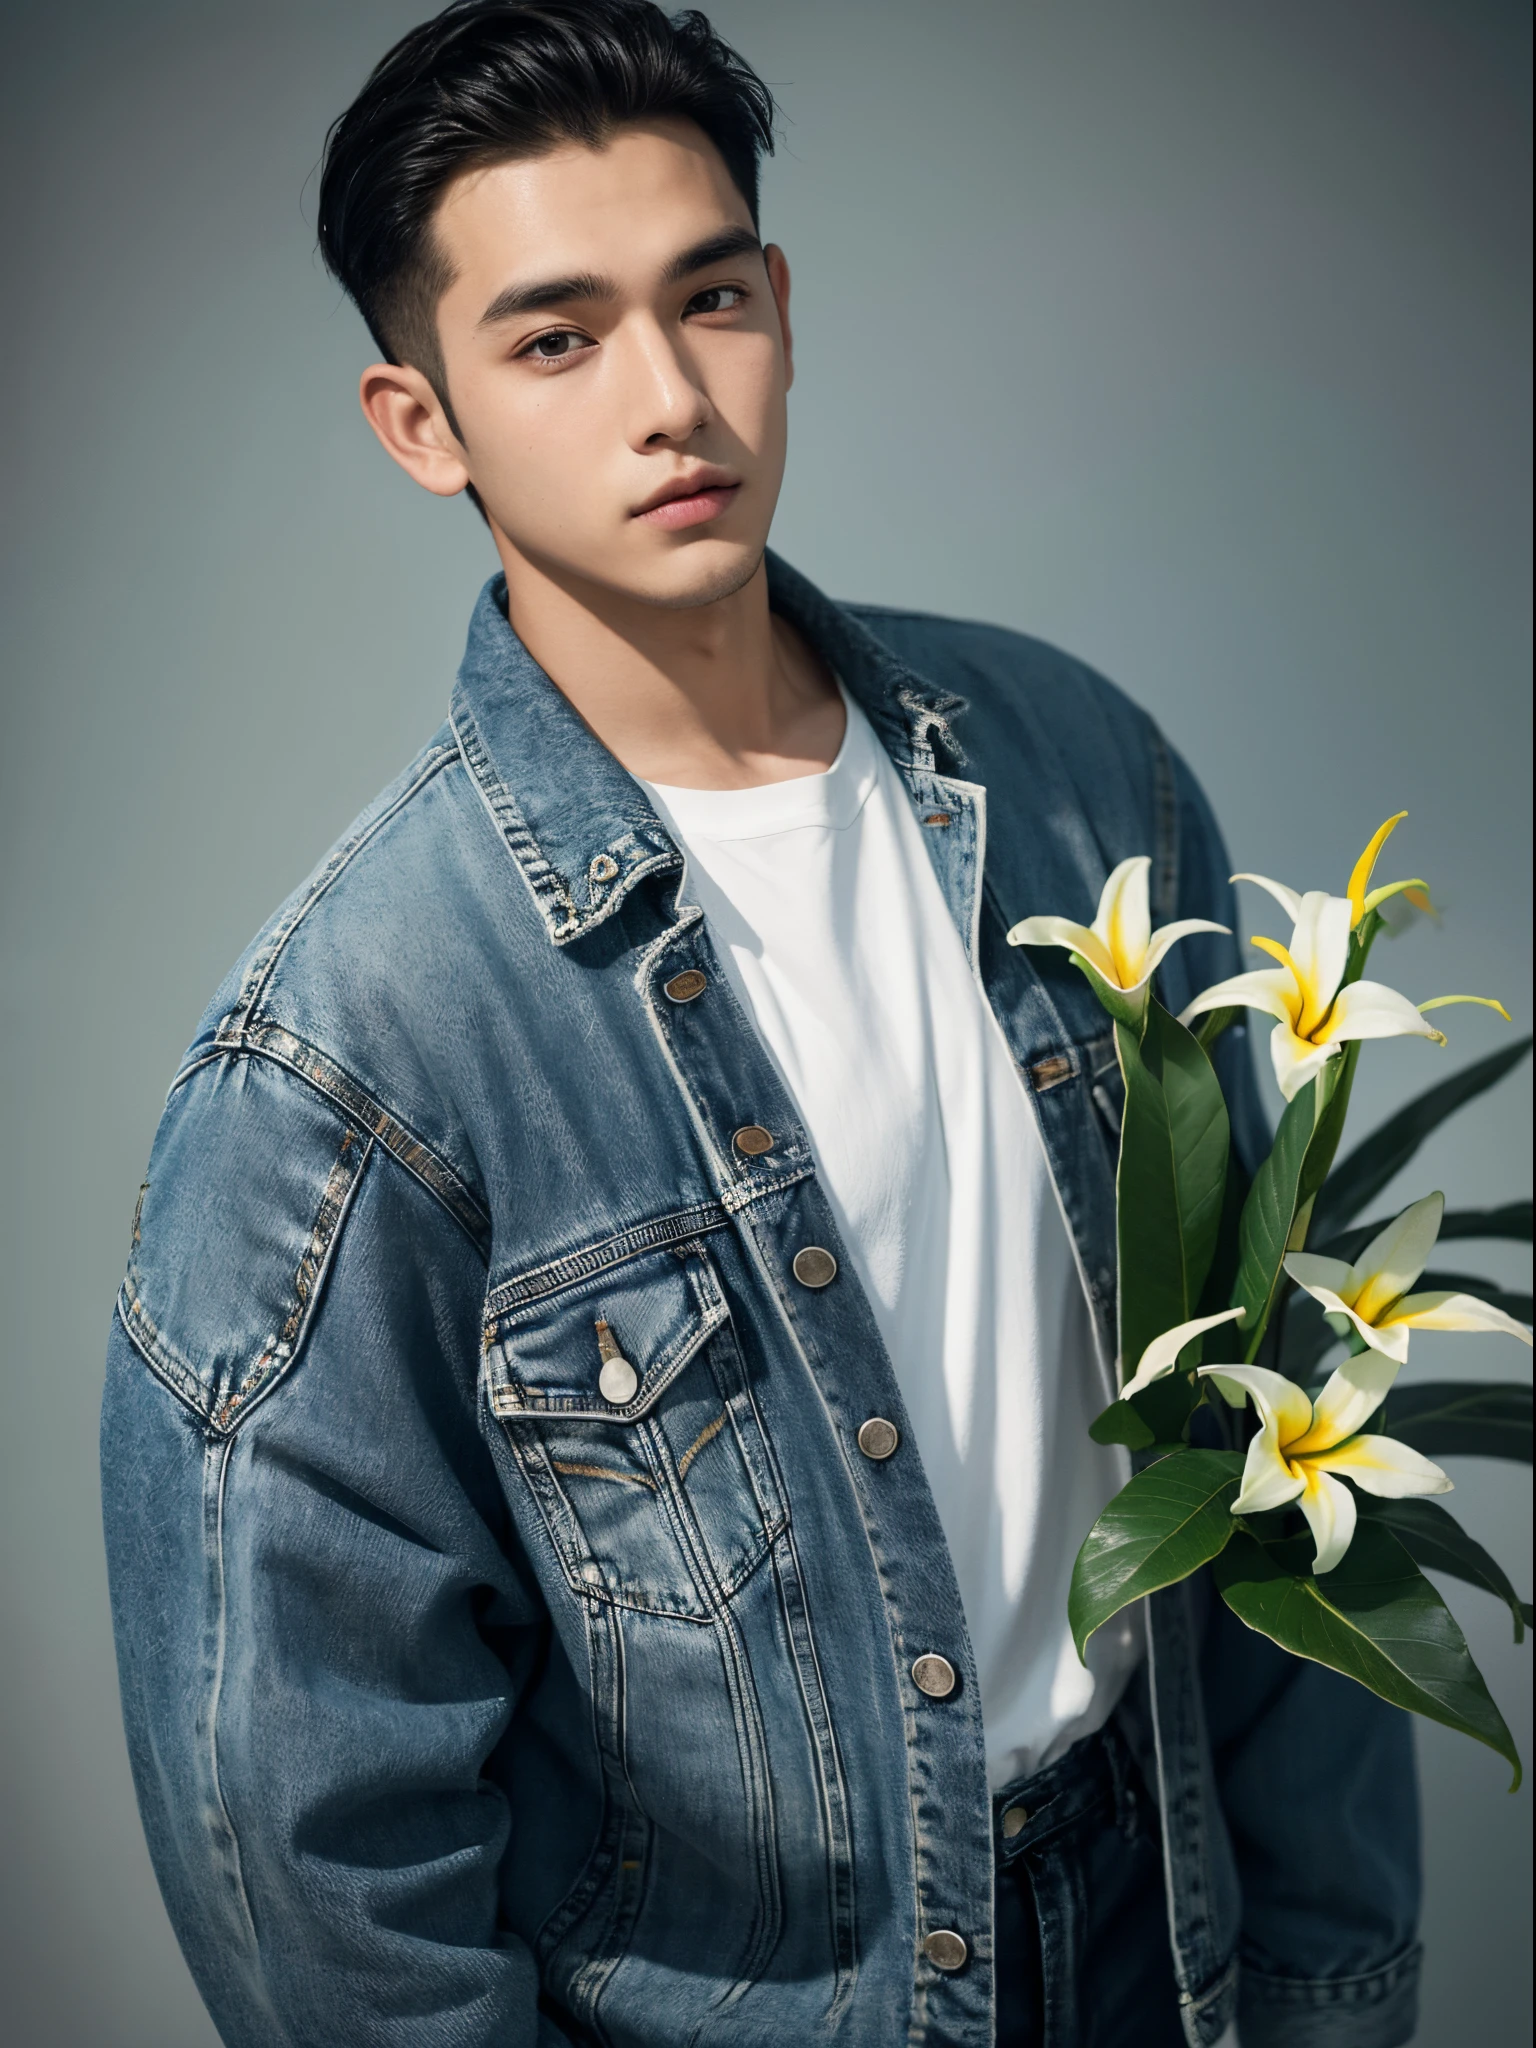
(691, 499)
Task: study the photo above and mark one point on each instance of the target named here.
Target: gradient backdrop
(1190, 335)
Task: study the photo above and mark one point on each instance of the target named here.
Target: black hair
(487, 81)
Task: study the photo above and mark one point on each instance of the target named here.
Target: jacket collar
(576, 822)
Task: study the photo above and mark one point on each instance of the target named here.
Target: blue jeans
(1083, 1956)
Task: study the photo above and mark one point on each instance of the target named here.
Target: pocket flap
(545, 1356)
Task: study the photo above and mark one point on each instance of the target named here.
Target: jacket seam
(263, 1038)
(218, 1411)
(263, 966)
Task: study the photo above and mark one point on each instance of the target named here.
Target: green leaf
(1212, 1025)
(1434, 1539)
(1173, 1169)
(1120, 1424)
(1376, 1619)
(1512, 1220)
(1276, 1212)
(1161, 1526)
(1463, 1418)
(1379, 1158)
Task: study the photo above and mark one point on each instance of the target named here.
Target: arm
(320, 1622)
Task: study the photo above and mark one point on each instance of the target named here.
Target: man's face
(613, 335)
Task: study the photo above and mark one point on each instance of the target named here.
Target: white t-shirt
(832, 926)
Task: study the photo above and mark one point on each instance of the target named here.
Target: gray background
(1191, 335)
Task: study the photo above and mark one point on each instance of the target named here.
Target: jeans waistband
(1098, 1771)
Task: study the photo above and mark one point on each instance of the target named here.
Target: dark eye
(719, 298)
(554, 346)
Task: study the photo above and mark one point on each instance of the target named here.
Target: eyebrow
(589, 286)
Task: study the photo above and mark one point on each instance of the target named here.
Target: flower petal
(1280, 1402)
(1311, 1271)
(1123, 923)
(1329, 1508)
(1454, 1312)
(1383, 1466)
(1487, 1002)
(1351, 1397)
(1395, 1258)
(1268, 989)
(1368, 1009)
(1377, 897)
(1295, 1060)
(1061, 931)
(1169, 935)
(1162, 1353)
(1287, 899)
(1387, 1338)
(1320, 948)
(1365, 867)
(1268, 1482)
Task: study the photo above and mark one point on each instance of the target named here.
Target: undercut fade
(492, 81)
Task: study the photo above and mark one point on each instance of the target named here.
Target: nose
(666, 402)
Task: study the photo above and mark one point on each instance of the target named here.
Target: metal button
(877, 1437)
(682, 988)
(945, 1949)
(1015, 1821)
(617, 1381)
(934, 1675)
(753, 1140)
(815, 1266)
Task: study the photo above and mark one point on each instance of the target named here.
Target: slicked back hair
(491, 81)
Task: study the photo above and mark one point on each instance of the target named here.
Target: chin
(704, 572)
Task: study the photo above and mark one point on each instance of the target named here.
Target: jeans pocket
(624, 1397)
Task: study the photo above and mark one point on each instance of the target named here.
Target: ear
(778, 281)
(407, 415)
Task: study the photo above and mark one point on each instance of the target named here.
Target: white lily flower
(1374, 1292)
(1120, 945)
(1161, 1355)
(1315, 1016)
(1303, 1444)
(1362, 897)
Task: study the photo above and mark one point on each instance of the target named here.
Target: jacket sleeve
(1330, 1885)
(321, 1624)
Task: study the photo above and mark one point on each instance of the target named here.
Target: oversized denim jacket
(468, 1708)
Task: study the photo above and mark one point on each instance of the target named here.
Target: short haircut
(490, 81)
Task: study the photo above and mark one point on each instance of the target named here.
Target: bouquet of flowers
(1310, 1494)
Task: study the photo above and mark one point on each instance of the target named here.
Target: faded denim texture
(466, 1708)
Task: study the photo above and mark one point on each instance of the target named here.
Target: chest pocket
(656, 1483)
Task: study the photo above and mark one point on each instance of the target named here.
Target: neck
(721, 695)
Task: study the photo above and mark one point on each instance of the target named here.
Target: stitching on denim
(279, 1353)
(709, 1312)
(262, 965)
(706, 1435)
(266, 1039)
(577, 1470)
(177, 1373)
(563, 918)
(539, 1281)
(216, 1689)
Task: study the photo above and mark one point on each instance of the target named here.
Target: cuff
(1379, 2010)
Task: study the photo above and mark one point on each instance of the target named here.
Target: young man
(595, 1435)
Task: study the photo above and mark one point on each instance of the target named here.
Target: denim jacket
(467, 1706)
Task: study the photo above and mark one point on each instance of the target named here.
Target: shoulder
(1032, 706)
(355, 993)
